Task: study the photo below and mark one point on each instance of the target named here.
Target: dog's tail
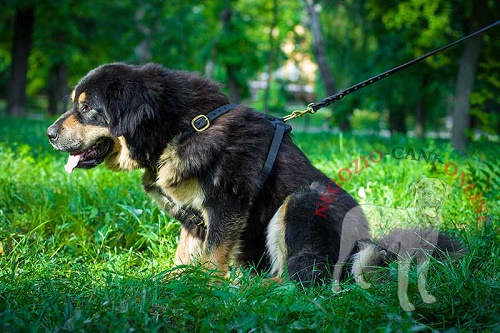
(380, 252)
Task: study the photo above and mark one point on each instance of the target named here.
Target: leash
(314, 107)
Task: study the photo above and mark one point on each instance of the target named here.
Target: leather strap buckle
(200, 123)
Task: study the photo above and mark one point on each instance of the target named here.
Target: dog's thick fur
(132, 117)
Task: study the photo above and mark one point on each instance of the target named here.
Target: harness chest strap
(202, 122)
(193, 220)
(280, 128)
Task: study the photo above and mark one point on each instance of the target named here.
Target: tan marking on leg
(218, 258)
(272, 281)
(362, 260)
(224, 251)
(187, 193)
(188, 249)
(275, 240)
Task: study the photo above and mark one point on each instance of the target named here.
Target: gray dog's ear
(447, 189)
(418, 185)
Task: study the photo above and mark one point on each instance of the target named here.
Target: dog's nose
(52, 133)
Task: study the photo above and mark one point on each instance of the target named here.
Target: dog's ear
(128, 107)
(446, 189)
(416, 186)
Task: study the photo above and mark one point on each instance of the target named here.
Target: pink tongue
(72, 163)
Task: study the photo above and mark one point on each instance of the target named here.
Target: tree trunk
(397, 121)
(420, 118)
(319, 52)
(143, 49)
(21, 46)
(57, 89)
(274, 22)
(465, 81)
(234, 87)
(225, 16)
(319, 49)
(420, 111)
(234, 90)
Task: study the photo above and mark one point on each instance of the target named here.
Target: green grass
(77, 254)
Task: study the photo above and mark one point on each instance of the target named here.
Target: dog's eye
(84, 108)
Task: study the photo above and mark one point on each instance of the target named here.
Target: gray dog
(414, 234)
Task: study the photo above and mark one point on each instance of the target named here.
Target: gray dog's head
(429, 195)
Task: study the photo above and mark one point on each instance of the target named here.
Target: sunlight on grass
(90, 251)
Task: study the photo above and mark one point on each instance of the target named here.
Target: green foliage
(90, 251)
(363, 38)
(401, 31)
(365, 120)
(277, 101)
(178, 34)
(485, 100)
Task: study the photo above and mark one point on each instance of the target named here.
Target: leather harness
(201, 122)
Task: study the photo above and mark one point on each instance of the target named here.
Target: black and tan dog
(132, 117)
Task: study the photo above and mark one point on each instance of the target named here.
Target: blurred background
(277, 55)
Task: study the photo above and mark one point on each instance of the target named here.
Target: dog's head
(429, 195)
(115, 112)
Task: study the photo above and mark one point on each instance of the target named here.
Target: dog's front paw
(364, 284)
(336, 287)
(407, 306)
(428, 298)
(361, 282)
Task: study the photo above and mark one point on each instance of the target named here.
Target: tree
(57, 88)
(465, 79)
(271, 54)
(21, 46)
(234, 56)
(52, 48)
(405, 30)
(319, 50)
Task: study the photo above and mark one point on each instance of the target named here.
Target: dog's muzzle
(52, 133)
